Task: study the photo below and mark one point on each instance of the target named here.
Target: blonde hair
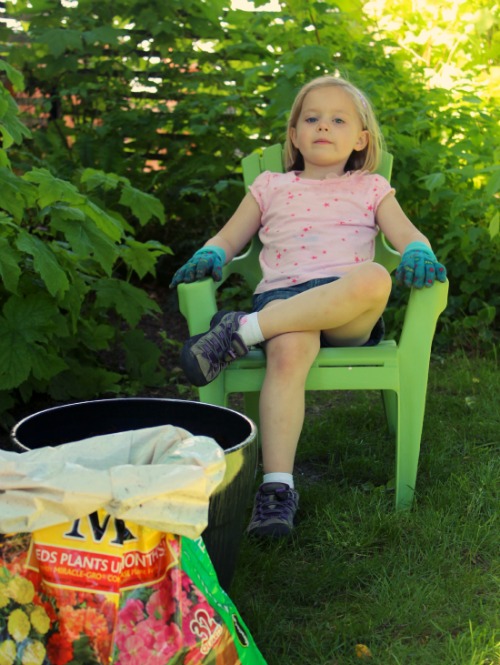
(367, 159)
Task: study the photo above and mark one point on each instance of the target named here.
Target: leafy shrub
(68, 259)
(171, 95)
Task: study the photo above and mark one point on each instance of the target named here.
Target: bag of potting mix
(100, 564)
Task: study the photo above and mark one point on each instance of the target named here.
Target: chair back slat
(251, 165)
(385, 167)
(272, 159)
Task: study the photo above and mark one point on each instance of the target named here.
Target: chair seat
(357, 368)
(382, 355)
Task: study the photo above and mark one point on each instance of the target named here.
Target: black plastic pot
(234, 432)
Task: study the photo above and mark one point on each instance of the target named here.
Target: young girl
(320, 287)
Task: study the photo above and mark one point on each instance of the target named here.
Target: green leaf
(83, 382)
(61, 39)
(144, 206)
(7, 402)
(52, 189)
(72, 301)
(61, 212)
(104, 34)
(493, 184)
(494, 225)
(85, 239)
(434, 181)
(139, 257)
(16, 195)
(46, 364)
(16, 357)
(143, 358)
(108, 224)
(9, 265)
(34, 317)
(4, 159)
(94, 178)
(4, 103)
(97, 337)
(6, 222)
(487, 314)
(26, 322)
(142, 257)
(14, 75)
(130, 302)
(484, 19)
(12, 129)
(45, 263)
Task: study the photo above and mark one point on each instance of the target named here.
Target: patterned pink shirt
(315, 228)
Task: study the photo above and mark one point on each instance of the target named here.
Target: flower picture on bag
(24, 622)
(180, 617)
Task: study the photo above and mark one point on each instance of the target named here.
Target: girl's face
(328, 130)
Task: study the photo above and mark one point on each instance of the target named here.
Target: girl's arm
(223, 246)
(419, 266)
(396, 226)
(240, 228)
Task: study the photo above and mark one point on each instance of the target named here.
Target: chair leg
(251, 402)
(411, 408)
(390, 401)
(214, 393)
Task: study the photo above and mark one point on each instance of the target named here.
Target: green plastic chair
(399, 369)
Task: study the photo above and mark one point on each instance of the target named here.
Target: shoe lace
(277, 504)
(215, 348)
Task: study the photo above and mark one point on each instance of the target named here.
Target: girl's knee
(373, 282)
(292, 353)
(381, 281)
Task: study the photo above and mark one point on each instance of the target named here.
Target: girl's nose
(322, 126)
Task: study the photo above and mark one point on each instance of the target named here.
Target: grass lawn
(415, 588)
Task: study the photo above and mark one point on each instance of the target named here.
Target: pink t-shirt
(315, 228)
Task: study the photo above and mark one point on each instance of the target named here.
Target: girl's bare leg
(344, 310)
(289, 358)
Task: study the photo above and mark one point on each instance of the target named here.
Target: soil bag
(101, 559)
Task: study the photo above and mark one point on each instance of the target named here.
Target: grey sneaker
(204, 356)
(273, 511)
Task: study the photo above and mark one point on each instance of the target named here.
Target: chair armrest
(197, 304)
(247, 264)
(422, 312)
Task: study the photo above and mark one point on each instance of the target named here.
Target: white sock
(249, 330)
(277, 477)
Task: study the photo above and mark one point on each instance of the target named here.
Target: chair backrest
(271, 159)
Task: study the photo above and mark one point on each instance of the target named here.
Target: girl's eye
(338, 121)
(311, 120)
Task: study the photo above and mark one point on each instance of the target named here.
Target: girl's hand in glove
(207, 261)
(419, 267)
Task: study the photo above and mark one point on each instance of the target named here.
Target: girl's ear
(362, 141)
(293, 136)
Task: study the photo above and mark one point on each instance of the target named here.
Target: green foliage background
(142, 114)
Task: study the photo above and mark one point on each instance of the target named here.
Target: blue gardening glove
(206, 261)
(419, 267)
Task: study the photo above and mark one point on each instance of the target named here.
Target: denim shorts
(260, 300)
